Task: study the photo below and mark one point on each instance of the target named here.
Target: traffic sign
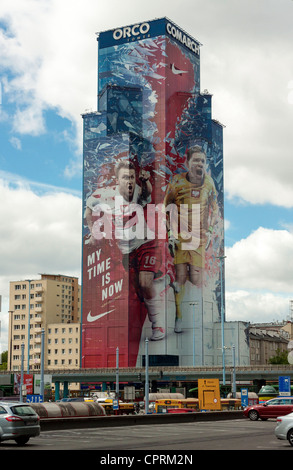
(115, 404)
(34, 398)
(244, 396)
(284, 386)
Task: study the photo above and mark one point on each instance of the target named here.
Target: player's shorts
(192, 257)
(149, 257)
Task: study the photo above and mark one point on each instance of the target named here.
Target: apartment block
(63, 346)
(42, 304)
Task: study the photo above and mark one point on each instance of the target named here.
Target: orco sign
(129, 31)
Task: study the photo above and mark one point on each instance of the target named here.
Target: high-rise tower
(144, 275)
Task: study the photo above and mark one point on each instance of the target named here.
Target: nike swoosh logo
(177, 71)
(91, 318)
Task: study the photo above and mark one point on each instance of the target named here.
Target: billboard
(28, 382)
(209, 394)
(153, 203)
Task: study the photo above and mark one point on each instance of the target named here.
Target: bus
(123, 408)
(186, 404)
(192, 404)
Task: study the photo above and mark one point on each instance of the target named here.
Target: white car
(18, 421)
(284, 428)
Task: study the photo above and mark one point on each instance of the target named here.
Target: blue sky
(41, 158)
(48, 67)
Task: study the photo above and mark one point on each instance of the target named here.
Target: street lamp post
(42, 388)
(146, 387)
(234, 373)
(29, 325)
(193, 355)
(221, 258)
(117, 373)
(10, 340)
(21, 374)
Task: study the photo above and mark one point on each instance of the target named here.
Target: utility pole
(146, 387)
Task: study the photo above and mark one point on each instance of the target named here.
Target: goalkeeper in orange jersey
(194, 195)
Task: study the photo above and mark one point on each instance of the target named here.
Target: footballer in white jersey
(141, 255)
(123, 218)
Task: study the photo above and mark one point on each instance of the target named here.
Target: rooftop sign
(148, 29)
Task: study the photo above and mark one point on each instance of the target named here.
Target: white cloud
(48, 62)
(248, 69)
(258, 187)
(262, 261)
(42, 232)
(259, 276)
(29, 120)
(227, 224)
(39, 234)
(16, 142)
(256, 307)
(49, 55)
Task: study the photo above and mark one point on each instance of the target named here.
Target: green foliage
(3, 363)
(281, 357)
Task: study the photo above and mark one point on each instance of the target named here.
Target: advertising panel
(47, 383)
(28, 382)
(153, 203)
(209, 394)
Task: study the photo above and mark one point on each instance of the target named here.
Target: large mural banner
(153, 203)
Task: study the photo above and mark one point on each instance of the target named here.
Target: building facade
(42, 304)
(63, 346)
(153, 238)
(266, 340)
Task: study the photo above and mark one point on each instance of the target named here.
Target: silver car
(284, 428)
(18, 421)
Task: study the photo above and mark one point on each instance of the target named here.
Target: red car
(180, 410)
(270, 409)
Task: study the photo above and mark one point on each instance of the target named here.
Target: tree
(281, 357)
(3, 362)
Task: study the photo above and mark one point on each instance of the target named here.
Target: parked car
(72, 399)
(270, 409)
(18, 421)
(180, 410)
(284, 428)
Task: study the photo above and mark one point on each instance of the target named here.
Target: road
(238, 434)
